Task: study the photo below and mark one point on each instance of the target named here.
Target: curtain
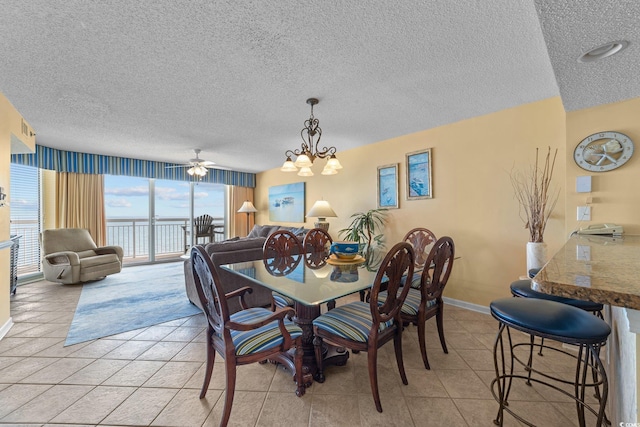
(238, 221)
(74, 162)
(80, 204)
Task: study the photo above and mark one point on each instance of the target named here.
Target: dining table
(311, 280)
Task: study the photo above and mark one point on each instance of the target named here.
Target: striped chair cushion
(415, 282)
(351, 321)
(282, 300)
(411, 304)
(263, 338)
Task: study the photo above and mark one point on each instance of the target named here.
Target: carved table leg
(332, 355)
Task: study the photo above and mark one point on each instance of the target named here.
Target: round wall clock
(603, 151)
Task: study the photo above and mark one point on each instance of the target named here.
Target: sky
(129, 197)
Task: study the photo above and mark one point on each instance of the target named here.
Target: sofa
(71, 256)
(238, 249)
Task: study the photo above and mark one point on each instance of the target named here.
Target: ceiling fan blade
(177, 166)
(207, 163)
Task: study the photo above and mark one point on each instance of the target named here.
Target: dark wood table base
(332, 355)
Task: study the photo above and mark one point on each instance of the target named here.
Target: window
(132, 204)
(24, 196)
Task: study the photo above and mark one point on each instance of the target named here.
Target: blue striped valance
(69, 161)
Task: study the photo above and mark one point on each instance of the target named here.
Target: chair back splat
(316, 245)
(281, 254)
(209, 291)
(422, 241)
(441, 260)
(398, 262)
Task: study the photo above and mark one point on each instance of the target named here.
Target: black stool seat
(560, 322)
(522, 288)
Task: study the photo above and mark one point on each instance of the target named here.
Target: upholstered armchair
(71, 256)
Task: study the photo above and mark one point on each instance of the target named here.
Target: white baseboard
(469, 306)
(5, 328)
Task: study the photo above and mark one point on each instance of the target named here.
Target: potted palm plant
(366, 229)
(537, 198)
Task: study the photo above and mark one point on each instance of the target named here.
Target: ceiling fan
(197, 166)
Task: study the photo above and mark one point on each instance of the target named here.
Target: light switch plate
(583, 184)
(584, 213)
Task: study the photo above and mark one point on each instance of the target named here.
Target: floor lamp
(247, 207)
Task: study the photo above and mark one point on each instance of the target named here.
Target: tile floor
(152, 376)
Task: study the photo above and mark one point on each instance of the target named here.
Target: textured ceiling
(156, 79)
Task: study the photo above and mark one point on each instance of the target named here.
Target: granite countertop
(595, 268)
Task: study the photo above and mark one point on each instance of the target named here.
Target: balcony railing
(132, 234)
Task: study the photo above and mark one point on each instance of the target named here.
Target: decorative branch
(537, 199)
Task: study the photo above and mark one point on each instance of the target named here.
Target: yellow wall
(14, 129)
(473, 198)
(5, 157)
(615, 198)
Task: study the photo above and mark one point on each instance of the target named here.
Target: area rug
(135, 298)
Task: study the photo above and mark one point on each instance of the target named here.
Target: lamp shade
(247, 207)
(305, 171)
(288, 166)
(303, 161)
(321, 209)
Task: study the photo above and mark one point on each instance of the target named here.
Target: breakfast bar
(605, 270)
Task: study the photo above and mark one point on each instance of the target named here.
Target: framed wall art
(419, 175)
(388, 186)
(286, 202)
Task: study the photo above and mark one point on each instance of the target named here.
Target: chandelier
(309, 150)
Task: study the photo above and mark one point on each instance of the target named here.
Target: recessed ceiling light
(603, 51)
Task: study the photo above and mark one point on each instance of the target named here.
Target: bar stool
(560, 322)
(522, 289)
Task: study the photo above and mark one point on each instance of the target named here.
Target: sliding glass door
(209, 199)
(170, 218)
(151, 218)
(127, 212)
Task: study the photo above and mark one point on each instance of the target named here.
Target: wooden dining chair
(368, 326)
(426, 302)
(281, 254)
(248, 336)
(317, 244)
(421, 240)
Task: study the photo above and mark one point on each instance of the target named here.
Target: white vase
(536, 255)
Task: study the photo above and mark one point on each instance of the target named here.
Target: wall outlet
(584, 213)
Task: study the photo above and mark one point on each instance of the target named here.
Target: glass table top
(303, 282)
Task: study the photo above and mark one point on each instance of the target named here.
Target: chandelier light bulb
(305, 171)
(303, 161)
(333, 162)
(288, 166)
(329, 171)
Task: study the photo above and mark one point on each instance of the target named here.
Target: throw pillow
(255, 231)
